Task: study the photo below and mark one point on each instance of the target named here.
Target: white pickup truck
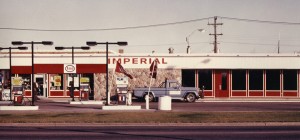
(170, 88)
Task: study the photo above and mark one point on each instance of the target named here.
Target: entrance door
(40, 79)
(221, 83)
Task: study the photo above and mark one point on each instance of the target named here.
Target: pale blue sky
(238, 36)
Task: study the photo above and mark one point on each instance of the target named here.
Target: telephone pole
(215, 34)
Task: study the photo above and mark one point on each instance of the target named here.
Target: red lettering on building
(126, 60)
(143, 60)
(136, 60)
(163, 61)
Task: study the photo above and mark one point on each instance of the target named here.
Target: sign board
(69, 68)
(122, 80)
(16, 81)
(57, 81)
(84, 80)
(5, 95)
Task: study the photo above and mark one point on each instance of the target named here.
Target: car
(170, 88)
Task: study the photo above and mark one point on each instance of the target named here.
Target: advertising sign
(57, 81)
(69, 68)
(16, 81)
(122, 80)
(5, 95)
(84, 80)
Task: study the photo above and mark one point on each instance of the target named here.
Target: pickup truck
(170, 88)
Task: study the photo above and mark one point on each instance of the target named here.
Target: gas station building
(221, 75)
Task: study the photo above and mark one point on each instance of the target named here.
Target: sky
(111, 18)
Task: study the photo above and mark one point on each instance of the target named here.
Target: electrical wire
(262, 21)
(108, 29)
(151, 25)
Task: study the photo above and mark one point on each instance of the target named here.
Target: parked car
(170, 88)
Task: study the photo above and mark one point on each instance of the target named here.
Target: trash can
(165, 103)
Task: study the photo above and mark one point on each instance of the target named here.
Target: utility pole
(215, 33)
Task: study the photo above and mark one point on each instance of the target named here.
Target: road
(150, 132)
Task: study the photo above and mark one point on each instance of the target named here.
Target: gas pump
(84, 92)
(124, 97)
(17, 91)
(84, 88)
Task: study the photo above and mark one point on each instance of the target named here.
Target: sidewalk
(250, 99)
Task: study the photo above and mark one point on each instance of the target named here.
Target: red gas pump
(18, 92)
(84, 92)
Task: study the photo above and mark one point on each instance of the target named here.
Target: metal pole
(72, 85)
(107, 74)
(32, 75)
(10, 90)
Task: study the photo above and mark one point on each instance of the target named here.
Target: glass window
(256, 79)
(224, 80)
(238, 79)
(56, 81)
(273, 79)
(76, 81)
(26, 81)
(290, 80)
(205, 79)
(188, 78)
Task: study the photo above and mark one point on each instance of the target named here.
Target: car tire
(190, 97)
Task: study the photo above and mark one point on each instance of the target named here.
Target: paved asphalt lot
(158, 131)
(62, 105)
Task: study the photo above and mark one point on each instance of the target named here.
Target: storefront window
(238, 79)
(205, 79)
(26, 80)
(56, 81)
(4, 80)
(290, 79)
(188, 78)
(273, 79)
(256, 79)
(76, 81)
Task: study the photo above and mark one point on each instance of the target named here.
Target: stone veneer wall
(141, 79)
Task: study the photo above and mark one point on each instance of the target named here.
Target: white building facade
(221, 75)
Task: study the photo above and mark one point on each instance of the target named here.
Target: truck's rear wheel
(190, 97)
(151, 97)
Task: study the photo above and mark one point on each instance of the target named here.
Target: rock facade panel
(141, 79)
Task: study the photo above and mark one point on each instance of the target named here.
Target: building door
(221, 87)
(41, 79)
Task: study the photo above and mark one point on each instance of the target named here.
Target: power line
(262, 21)
(108, 29)
(151, 25)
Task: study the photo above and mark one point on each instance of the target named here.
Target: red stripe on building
(21, 70)
(49, 68)
(59, 68)
(91, 68)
